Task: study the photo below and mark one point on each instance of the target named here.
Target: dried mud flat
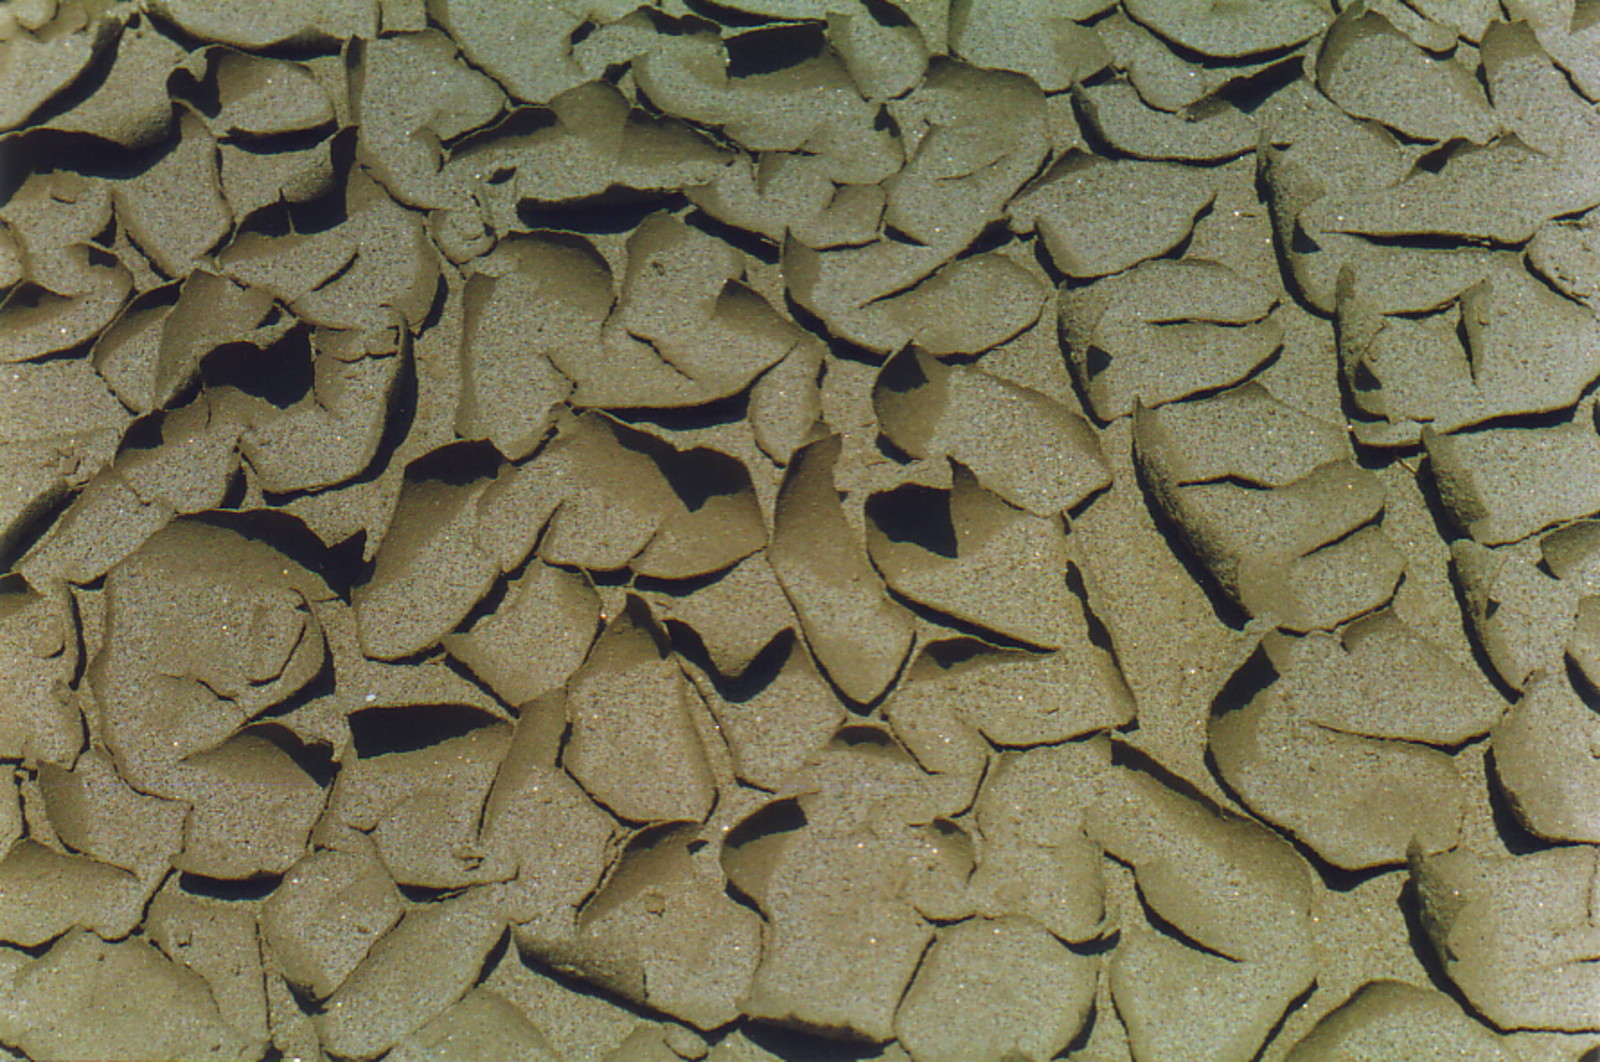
(800, 529)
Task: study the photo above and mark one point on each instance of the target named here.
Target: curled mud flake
(329, 909)
(1033, 996)
(982, 136)
(509, 386)
(1097, 216)
(483, 1026)
(1509, 345)
(842, 943)
(413, 94)
(634, 745)
(1195, 862)
(1243, 435)
(1502, 485)
(541, 827)
(44, 893)
(1163, 79)
(1392, 1019)
(786, 402)
(1515, 610)
(39, 323)
(410, 976)
(311, 23)
(684, 294)
(1237, 899)
(261, 97)
(62, 426)
(978, 560)
(95, 812)
(81, 999)
(1136, 338)
(783, 192)
(1308, 553)
(41, 60)
(206, 629)
(663, 932)
(1534, 98)
(1567, 255)
(736, 616)
(218, 941)
(255, 180)
(528, 50)
(812, 105)
(1018, 699)
(1498, 194)
(251, 809)
(396, 270)
(1568, 34)
(1026, 447)
(598, 144)
(1209, 131)
(1545, 759)
(429, 572)
(1516, 934)
(131, 107)
(40, 721)
(1372, 71)
(965, 307)
(886, 59)
(332, 434)
(422, 805)
(1231, 31)
(535, 638)
(1167, 995)
(174, 211)
(1036, 38)
(774, 730)
(1324, 786)
(1381, 678)
(1035, 859)
(53, 221)
(857, 633)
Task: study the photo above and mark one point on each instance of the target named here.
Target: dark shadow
(379, 731)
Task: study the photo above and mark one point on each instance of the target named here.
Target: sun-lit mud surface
(800, 529)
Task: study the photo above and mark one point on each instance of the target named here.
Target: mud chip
(85, 998)
(1238, 900)
(1026, 447)
(663, 932)
(1392, 1019)
(206, 629)
(1517, 934)
(414, 973)
(327, 912)
(856, 632)
(635, 746)
(1547, 759)
(1033, 994)
(1502, 485)
(1137, 338)
(1097, 216)
(39, 653)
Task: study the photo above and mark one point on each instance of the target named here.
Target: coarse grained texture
(917, 530)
